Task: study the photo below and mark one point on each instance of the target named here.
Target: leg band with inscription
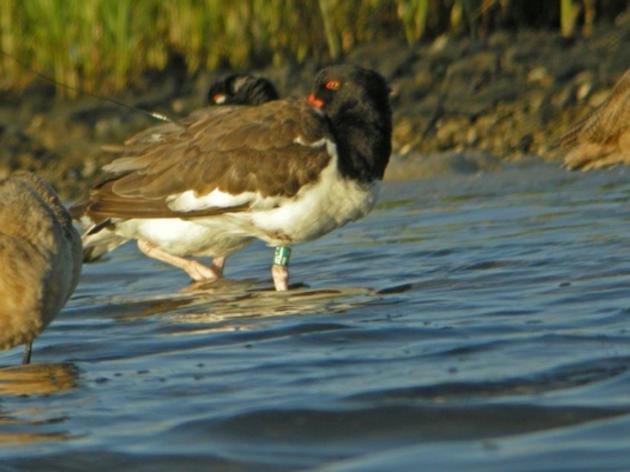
(281, 256)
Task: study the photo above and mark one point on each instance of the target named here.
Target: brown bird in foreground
(40, 259)
(602, 139)
(284, 172)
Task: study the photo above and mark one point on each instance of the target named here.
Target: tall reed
(568, 17)
(106, 45)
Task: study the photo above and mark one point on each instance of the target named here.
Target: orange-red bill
(316, 102)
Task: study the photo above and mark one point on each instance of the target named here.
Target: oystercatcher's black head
(241, 89)
(356, 101)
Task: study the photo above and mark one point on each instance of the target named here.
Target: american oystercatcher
(235, 89)
(284, 172)
(40, 259)
(241, 89)
(602, 139)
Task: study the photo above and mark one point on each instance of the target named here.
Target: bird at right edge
(602, 139)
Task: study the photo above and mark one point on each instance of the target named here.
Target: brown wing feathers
(123, 207)
(231, 149)
(608, 121)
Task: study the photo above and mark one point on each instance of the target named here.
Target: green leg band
(281, 256)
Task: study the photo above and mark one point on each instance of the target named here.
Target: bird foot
(200, 272)
(195, 269)
(280, 274)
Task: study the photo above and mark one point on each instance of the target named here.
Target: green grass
(106, 45)
(568, 17)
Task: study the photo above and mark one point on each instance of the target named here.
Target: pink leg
(219, 263)
(280, 274)
(195, 269)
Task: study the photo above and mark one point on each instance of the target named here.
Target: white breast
(315, 210)
(186, 238)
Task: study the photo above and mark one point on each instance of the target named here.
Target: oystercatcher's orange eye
(333, 85)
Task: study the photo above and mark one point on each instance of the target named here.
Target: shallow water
(471, 322)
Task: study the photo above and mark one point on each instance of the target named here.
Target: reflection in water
(30, 425)
(10, 439)
(235, 301)
(263, 304)
(38, 379)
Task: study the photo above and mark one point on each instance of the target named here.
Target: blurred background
(502, 76)
(106, 45)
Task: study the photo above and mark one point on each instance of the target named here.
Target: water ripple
(471, 322)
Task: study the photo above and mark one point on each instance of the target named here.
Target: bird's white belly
(317, 209)
(186, 238)
(317, 212)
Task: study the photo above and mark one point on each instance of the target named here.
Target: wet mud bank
(506, 96)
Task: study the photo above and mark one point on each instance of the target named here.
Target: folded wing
(224, 159)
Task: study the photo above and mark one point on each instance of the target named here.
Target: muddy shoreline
(506, 96)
